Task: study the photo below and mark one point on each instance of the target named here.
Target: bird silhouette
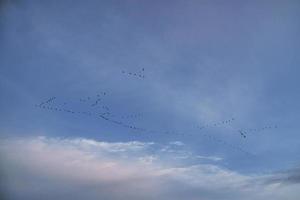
(242, 134)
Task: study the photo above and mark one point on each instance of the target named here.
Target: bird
(242, 134)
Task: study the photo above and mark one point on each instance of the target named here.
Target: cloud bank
(79, 168)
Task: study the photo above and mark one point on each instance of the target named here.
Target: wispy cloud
(210, 158)
(178, 143)
(83, 168)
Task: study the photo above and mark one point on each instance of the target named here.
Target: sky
(149, 99)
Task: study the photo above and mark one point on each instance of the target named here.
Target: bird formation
(54, 108)
(139, 74)
(105, 114)
(261, 129)
(207, 136)
(95, 101)
(115, 116)
(234, 147)
(132, 116)
(90, 114)
(244, 132)
(215, 124)
(128, 116)
(48, 101)
(118, 120)
(106, 108)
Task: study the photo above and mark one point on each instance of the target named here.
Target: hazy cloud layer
(55, 168)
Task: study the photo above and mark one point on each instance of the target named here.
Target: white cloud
(87, 169)
(110, 147)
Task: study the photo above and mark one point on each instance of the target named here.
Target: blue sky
(205, 62)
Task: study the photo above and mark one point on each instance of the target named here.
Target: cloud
(213, 158)
(79, 168)
(108, 147)
(286, 177)
(178, 143)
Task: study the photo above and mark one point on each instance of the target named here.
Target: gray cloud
(286, 177)
(53, 168)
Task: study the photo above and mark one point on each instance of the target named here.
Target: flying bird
(242, 134)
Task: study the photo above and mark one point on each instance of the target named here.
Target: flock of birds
(127, 116)
(245, 132)
(144, 130)
(107, 115)
(48, 101)
(139, 74)
(96, 102)
(215, 124)
(256, 130)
